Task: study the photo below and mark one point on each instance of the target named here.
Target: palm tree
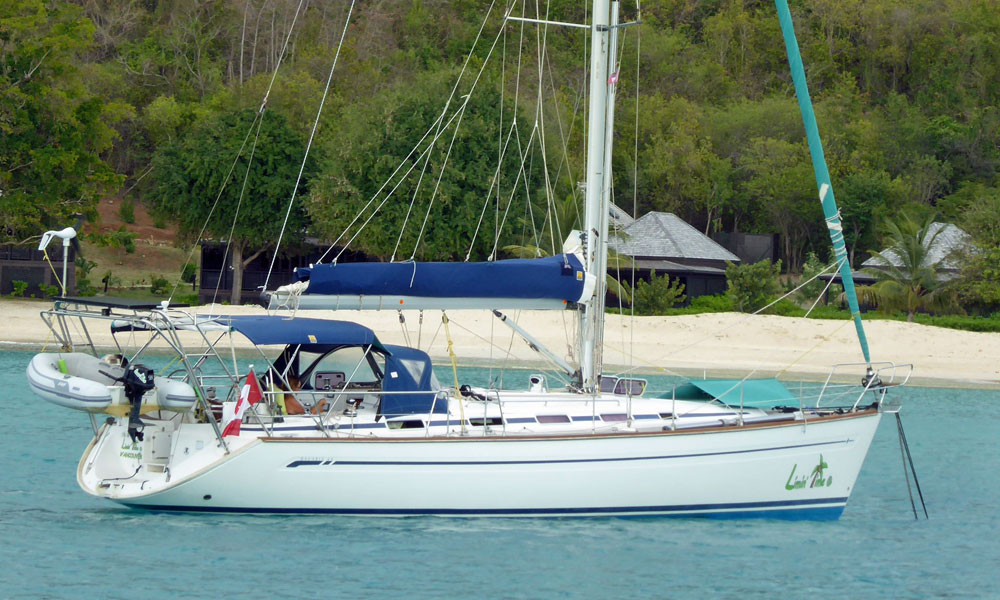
(909, 271)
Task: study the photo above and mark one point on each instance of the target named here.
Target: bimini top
(554, 282)
(277, 330)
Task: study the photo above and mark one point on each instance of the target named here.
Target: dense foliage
(232, 178)
(656, 296)
(53, 129)
(907, 98)
(752, 286)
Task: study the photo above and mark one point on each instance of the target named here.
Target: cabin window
(405, 424)
(608, 384)
(666, 415)
(629, 387)
(614, 417)
(350, 361)
(553, 419)
(487, 421)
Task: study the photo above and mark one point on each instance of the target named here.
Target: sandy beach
(719, 344)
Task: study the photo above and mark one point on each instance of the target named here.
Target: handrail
(872, 381)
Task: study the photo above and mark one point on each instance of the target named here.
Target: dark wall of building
(217, 274)
(750, 247)
(695, 284)
(24, 263)
(703, 285)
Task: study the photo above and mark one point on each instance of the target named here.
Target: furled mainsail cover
(559, 277)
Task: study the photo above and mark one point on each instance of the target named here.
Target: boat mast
(595, 258)
(599, 138)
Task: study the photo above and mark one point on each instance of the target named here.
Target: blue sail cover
(554, 280)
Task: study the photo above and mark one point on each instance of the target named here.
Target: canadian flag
(249, 395)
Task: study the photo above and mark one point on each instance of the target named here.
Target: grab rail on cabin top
(882, 375)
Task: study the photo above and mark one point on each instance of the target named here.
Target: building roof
(945, 241)
(619, 217)
(665, 235)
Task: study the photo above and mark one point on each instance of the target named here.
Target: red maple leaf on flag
(249, 395)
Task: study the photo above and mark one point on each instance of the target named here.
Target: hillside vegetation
(102, 96)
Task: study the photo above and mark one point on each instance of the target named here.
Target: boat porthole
(207, 497)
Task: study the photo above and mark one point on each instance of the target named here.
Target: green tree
(863, 198)
(190, 173)
(656, 296)
(52, 129)
(369, 142)
(909, 275)
(781, 181)
(752, 287)
(978, 284)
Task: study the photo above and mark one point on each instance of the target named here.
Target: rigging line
(826, 288)
(444, 111)
(541, 41)
(635, 175)
(260, 111)
(527, 193)
(906, 472)
(513, 191)
(387, 196)
(416, 188)
(486, 203)
(281, 56)
(381, 188)
(398, 168)
(312, 136)
(747, 316)
(454, 136)
(236, 215)
(564, 139)
(497, 223)
(215, 204)
(500, 154)
(437, 184)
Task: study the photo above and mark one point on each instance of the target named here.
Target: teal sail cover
(820, 169)
(754, 392)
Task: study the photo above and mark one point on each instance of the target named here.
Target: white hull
(763, 470)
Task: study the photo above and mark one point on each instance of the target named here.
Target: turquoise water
(58, 542)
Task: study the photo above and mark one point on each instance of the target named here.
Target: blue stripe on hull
(784, 509)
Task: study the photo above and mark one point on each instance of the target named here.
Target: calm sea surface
(58, 542)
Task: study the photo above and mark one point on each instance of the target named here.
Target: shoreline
(693, 346)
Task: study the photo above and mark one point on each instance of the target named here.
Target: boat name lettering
(814, 479)
(130, 449)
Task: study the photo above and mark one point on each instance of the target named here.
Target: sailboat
(336, 421)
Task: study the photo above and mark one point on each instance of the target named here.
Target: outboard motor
(137, 380)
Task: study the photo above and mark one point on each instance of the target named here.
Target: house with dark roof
(667, 244)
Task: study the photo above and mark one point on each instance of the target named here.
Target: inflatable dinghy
(75, 380)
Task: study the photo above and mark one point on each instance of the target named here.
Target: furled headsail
(554, 282)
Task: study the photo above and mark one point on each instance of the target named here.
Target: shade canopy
(733, 392)
(267, 330)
